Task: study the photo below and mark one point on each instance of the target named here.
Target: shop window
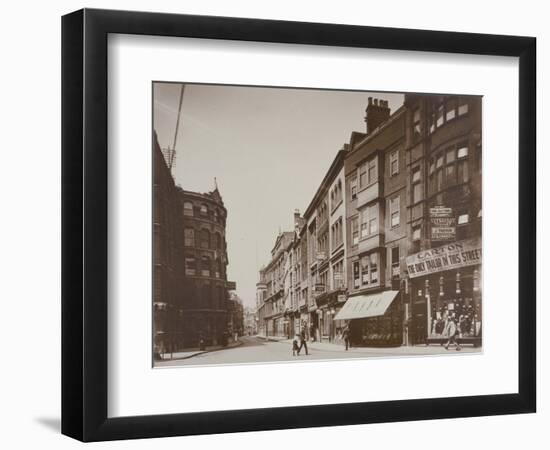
(394, 163)
(394, 212)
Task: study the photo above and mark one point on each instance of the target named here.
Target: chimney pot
(370, 100)
(375, 102)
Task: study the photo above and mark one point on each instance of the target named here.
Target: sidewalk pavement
(194, 352)
(402, 350)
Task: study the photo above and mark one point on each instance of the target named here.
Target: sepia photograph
(300, 224)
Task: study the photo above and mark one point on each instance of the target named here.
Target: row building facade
(390, 245)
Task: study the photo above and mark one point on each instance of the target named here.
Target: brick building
(190, 287)
(390, 245)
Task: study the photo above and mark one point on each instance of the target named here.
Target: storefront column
(429, 310)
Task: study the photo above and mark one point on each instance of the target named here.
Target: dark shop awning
(364, 306)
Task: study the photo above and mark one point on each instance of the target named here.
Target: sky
(268, 148)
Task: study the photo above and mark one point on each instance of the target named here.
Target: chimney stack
(377, 112)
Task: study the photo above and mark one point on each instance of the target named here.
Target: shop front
(446, 285)
(328, 306)
(373, 319)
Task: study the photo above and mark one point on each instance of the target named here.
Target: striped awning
(363, 306)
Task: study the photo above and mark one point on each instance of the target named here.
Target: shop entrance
(419, 331)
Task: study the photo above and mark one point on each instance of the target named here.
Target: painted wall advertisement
(442, 224)
(452, 256)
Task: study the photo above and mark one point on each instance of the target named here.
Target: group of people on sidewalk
(300, 341)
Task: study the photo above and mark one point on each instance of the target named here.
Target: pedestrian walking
(451, 331)
(295, 346)
(345, 336)
(303, 342)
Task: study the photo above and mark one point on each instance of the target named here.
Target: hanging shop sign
(442, 224)
(452, 256)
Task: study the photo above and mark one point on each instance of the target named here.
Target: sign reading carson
(451, 256)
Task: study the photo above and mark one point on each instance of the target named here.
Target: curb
(201, 352)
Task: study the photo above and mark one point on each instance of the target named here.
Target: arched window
(188, 209)
(189, 237)
(218, 268)
(218, 241)
(204, 210)
(205, 239)
(205, 265)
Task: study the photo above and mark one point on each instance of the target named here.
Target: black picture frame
(84, 224)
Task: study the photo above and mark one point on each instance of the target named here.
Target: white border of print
(136, 389)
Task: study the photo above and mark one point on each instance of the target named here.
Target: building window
(369, 221)
(355, 231)
(462, 107)
(369, 269)
(356, 275)
(373, 268)
(336, 195)
(450, 108)
(204, 210)
(416, 234)
(337, 234)
(338, 275)
(188, 209)
(189, 237)
(353, 188)
(205, 239)
(394, 212)
(394, 163)
(417, 130)
(462, 152)
(365, 270)
(463, 219)
(217, 268)
(440, 116)
(205, 265)
(395, 262)
(190, 266)
(417, 186)
(368, 173)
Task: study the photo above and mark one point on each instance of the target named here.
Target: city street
(258, 350)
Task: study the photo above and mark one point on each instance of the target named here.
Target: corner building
(204, 295)
(444, 214)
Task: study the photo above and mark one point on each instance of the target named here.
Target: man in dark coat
(303, 342)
